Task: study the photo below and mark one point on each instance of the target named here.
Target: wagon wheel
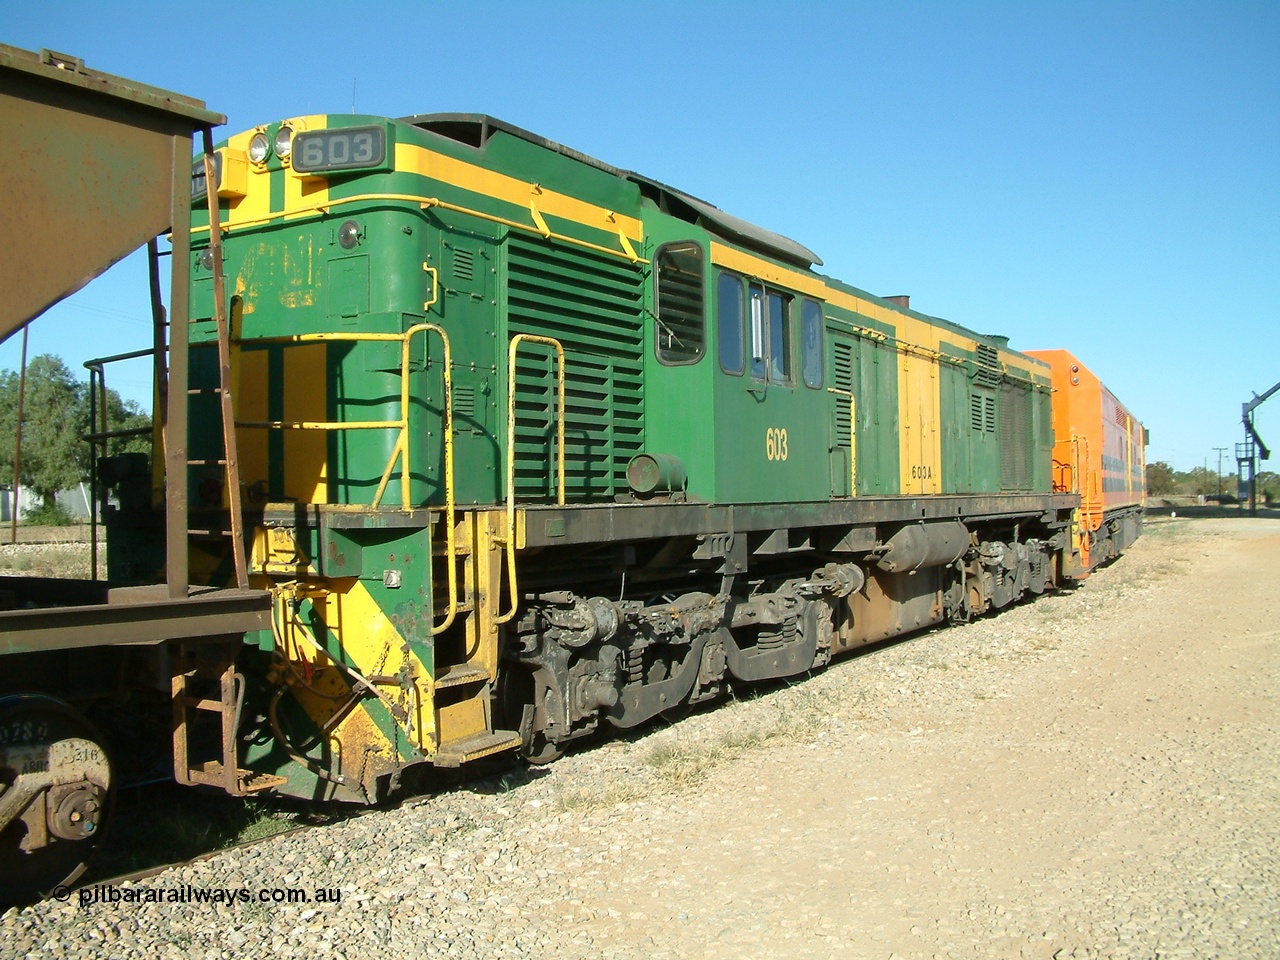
(56, 789)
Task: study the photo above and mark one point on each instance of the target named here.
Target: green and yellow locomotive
(526, 445)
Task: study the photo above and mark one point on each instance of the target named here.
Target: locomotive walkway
(1096, 775)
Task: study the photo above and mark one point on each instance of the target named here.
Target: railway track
(160, 826)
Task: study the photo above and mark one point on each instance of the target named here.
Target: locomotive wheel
(55, 796)
(515, 708)
(535, 748)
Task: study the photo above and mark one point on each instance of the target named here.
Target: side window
(770, 335)
(730, 312)
(681, 334)
(811, 342)
(780, 363)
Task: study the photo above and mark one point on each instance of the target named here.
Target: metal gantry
(1253, 449)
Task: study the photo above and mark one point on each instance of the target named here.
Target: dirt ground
(1111, 789)
(1092, 775)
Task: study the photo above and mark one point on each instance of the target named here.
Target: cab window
(681, 333)
(811, 342)
(731, 310)
(771, 351)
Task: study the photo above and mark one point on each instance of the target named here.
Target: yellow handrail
(403, 445)
(518, 339)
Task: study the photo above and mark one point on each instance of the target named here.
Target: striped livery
(531, 444)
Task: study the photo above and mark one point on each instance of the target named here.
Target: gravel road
(1093, 775)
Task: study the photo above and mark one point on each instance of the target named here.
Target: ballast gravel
(1095, 775)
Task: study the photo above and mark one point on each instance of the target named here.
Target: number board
(342, 148)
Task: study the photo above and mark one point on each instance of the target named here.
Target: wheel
(535, 748)
(515, 709)
(55, 796)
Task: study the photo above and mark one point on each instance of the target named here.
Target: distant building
(75, 501)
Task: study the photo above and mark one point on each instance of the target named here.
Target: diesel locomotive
(521, 445)
(530, 444)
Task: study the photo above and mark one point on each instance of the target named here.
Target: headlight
(258, 147)
(284, 142)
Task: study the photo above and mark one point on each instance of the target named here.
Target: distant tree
(1160, 478)
(1268, 486)
(55, 418)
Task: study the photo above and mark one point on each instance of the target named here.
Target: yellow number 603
(775, 443)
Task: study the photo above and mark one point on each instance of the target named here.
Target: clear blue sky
(1103, 177)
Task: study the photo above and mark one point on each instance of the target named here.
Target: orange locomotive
(1100, 453)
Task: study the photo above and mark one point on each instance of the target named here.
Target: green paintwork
(495, 281)
(739, 440)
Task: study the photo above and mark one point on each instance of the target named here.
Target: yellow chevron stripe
(412, 158)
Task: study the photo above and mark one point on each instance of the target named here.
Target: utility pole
(1221, 451)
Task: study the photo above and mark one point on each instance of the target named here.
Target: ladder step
(461, 673)
(202, 391)
(196, 703)
(455, 753)
(442, 604)
(207, 463)
(441, 549)
(247, 781)
(209, 534)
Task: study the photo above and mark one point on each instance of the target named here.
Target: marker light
(349, 234)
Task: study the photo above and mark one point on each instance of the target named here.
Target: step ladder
(462, 691)
(208, 696)
(229, 461)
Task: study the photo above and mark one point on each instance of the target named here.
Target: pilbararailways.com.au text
(106, 894)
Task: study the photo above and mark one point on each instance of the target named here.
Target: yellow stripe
(377, 648)
(412, 158)
(250, 390)
(303, 193)
(920, 452)
(908, 329)
(305, 451)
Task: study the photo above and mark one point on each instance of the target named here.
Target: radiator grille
(592, 304)
(1015, 437)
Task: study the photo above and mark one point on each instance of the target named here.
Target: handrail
(626, 252)
(98, 396)
(1080, 481)
(403, 445)
(510, 545)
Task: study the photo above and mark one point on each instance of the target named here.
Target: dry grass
(794, 716)
(579, 799)
(55, 560)
(683, 759)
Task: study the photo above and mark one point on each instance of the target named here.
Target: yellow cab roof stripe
(308, 194)
(412, 158)
(917, 332)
